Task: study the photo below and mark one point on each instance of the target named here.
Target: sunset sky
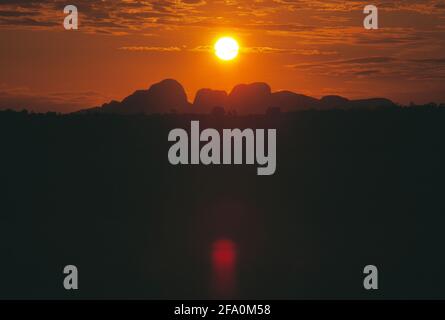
(314, 47)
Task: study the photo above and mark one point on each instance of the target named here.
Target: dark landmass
(351, 188)
(168, 96)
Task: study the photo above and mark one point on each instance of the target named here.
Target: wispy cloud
(408, 69)
(136, 15)
(304, 52)
(150, 49)
(268, 50)
(18, 98)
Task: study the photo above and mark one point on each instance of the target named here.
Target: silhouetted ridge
(372, 103)
(289, 101)
(161, 97)
(207, 99)
(256, 98)
(250, 98)
(333, 101)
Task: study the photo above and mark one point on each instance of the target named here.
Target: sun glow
(226, 48)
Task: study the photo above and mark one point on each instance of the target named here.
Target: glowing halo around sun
(226, 48)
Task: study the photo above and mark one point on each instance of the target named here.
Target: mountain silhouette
(290, 101)
(372, 103)
(250, 98)
(162, 97)
(207, 99)
(333, 102)
(256, 98)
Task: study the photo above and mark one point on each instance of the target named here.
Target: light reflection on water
(224, 259)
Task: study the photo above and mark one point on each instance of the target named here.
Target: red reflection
(223, 264)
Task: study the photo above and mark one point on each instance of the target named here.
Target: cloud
(310, 23)
(378, 66)
(150, 49)
(435, 62)
(19, 98)
(5, 13)
(137, 15)
(269, 50)
(304, 52)
(346, 62)
(248, 50)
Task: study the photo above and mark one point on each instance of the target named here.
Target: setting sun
(226, 48)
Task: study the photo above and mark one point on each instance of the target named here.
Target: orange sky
(312, 47)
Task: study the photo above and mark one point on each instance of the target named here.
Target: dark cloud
(366, 60)
(17, 13)
(439, 61)
(383, 67)
(255, 14)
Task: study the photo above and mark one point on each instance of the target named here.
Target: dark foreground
(350, 189)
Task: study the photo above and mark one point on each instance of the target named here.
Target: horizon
(228, 92)
(191, 98)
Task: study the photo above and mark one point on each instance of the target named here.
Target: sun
(226, 48)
